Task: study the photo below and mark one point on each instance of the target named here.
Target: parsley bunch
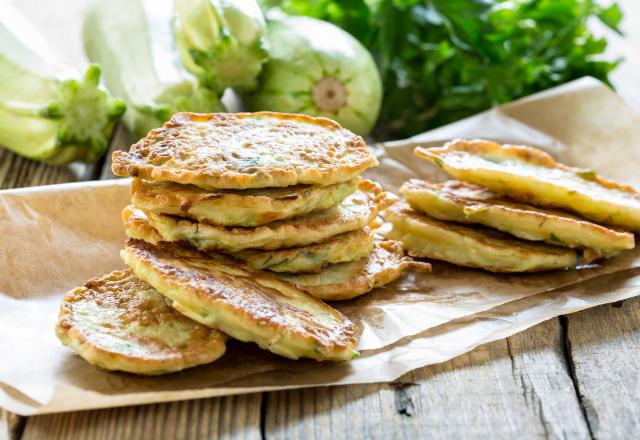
(443, 60)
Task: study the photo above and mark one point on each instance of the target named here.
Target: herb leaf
(442, 60)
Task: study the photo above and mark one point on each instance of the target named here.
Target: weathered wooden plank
(236, 417)
(18, 172)
(505, 389)
(604, 343)
(10, 425)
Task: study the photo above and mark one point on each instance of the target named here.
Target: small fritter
(469, 203)
(349, 246)
(246, 150)
(472, 246)
(356, 212)
(119, 322)
(249, 207)
(337, 282)
(247, 304)
(530, 175)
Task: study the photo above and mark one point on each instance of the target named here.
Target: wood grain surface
(573, 377)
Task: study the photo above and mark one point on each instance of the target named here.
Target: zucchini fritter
(343, 281)
(246, 150)
(247, 304)
(119, 322)
(341, 248)
(530, 175)
(472, 246)
(356, 212)
(469, 203)
(250, 207)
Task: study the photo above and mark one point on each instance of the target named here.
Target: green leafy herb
(554, 238)
(442, 60)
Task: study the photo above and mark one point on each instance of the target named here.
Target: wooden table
(576, 376)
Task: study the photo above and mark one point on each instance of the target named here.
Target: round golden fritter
(355, 212)
(468, 203)
(341, 248)
(247, 304)
(531, 176)
(343, 281)
(344, 247)
(249, 207)
(119, 322)
(475, 246)
(246, 150)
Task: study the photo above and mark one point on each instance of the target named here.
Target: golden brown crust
(481, 235)
(522, 152)
(355, 212)
(246, 150)
(469, 203)
(312, 258)
(119, 322)
(248, 208)
(247, 304)
(341, 248)
(344, 281)
(136, 225)
(454, 190)
(477, 247)
(473, 197)
(529, 175)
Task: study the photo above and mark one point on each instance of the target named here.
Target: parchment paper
(56, 237)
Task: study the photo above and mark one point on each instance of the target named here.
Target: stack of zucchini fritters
(513, 209)
(244, 223)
